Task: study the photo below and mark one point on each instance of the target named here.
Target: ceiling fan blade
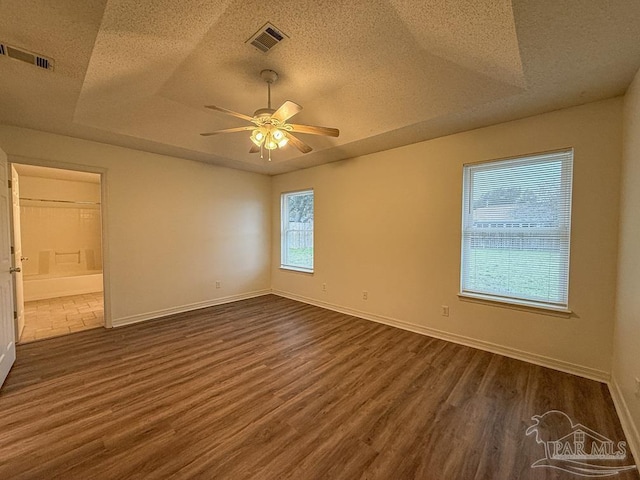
(230, 112)
(299, 144)
(228, 130)
(331, 132)
(254, 149)
(287, 110)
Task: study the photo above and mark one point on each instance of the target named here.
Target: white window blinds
(516, 225)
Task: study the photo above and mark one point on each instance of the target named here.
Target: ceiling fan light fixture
(280, 137)
(271, 130)
(283, 142)
(270, 143)
(277, 134)
(269, 137)
(258, 136)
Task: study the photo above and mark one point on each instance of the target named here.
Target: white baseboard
(563, 366)
(142, 317)
(628, 425)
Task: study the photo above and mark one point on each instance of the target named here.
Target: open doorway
(58, 247)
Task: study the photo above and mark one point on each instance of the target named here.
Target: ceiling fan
(270, 129)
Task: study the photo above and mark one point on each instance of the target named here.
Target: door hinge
(12, 250)
(15, 315)
(9, 183)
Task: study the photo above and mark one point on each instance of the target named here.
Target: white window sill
(296, 269)
(516, 304)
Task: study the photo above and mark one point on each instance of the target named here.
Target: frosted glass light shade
(269, 137)
(258, 136)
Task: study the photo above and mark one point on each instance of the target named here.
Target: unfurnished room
(319, 239)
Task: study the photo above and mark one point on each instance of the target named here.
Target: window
(516, 223)
(296, 212)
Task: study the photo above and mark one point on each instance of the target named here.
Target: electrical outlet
(365, 295)
(444, 310)
(637, 387)
(218, 284)
(324, 287)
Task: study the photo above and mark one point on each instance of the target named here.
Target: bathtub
(43, 286)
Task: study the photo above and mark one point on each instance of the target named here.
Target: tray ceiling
(385, 73)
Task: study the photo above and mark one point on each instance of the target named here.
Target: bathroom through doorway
(57, 234)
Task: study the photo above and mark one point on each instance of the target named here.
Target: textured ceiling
(386, 73)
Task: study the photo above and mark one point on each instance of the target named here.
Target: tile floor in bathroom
(63, 315)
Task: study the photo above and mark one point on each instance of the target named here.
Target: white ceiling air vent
(39, 61)
(267, 37)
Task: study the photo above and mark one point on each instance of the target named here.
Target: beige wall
(389, 223)
(175, 227)
(626, 357)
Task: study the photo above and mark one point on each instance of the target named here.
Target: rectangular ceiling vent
(39, 61)
(267, 37)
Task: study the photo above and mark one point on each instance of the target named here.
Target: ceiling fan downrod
(270, 77)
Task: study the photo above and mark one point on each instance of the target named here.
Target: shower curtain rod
(59, 201)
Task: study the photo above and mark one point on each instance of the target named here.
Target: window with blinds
(516, 225)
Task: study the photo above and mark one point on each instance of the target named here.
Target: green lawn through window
(516, 273)
(301, 257)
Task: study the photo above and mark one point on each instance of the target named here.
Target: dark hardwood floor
(269, 388)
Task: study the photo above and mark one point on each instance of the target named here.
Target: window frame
(563, 230)
(284, 215)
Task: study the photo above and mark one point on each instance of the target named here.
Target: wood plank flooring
(269, 388)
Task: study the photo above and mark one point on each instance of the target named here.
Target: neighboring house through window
(296, 211)
(516, 225)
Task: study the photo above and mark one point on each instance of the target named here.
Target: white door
(17, 253)
(7, 331)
